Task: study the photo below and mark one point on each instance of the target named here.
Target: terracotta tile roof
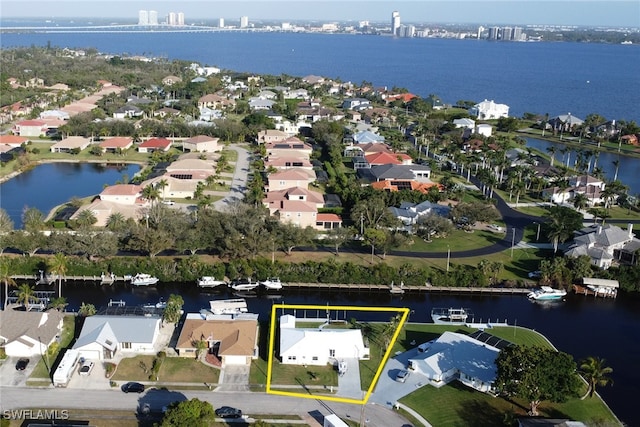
(122, 189)
(156, 143)
(12, 139)
(117, 142)
(31, 123)
(386, 158)
(329, 217)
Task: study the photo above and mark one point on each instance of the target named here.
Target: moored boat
(244, 284)
(546, 293)
(272, 284)
(450, 316)
(210, 282)
(143, 279)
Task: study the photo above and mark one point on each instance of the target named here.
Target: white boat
(210, 282)
(546, 293)
(143, 279)
(272, 284)
(161, 304)
(244, 285)
(450, 316)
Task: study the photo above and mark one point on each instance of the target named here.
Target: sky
(609, 13)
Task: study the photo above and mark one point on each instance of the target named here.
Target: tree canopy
(536, 374)
(193, 413)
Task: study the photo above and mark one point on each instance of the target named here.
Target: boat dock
(49, 279)
(395, 289)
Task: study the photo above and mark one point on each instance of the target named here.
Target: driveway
(388, 390)
(239, 182)
(234, 378)
(10, 377)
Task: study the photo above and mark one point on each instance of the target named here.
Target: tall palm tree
(5, 276)
(161, 185)
(593, 370)
(59, 266)
(552, 151)
(616, 163)
(86, 219)
(150, 192)
(26, 295)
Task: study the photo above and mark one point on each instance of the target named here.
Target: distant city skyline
(607, 13)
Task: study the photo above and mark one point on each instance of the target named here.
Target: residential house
(366, 137)
(54, 114)
(588, 185)
(487, 110)
(290, 178)
(400, 184)
(289, 147)
(260, 104)
(289, 162)
(209, 115)
(455, 356)
(155, 144)
(13, 140)
(271, 135)
(295, 205)
(296, 94)
(604, 244)
(328, 221)
(104, 336)
(388, 159)
(484, 130)
(166, 112)
(171, 80)
(318, 346)
(313, 80)
(465, 123)
(175, 187)
(404, 97)
(233, 341)
(267, 94)
(28, 333)
(127, 194)
(127, 112)
(69, 144)
(117, 144)
(629, 139)
(35, 128)
(125, 199)
(420, 173)
(192, 169)
(409, 213)
(356, 104)
(215, 101)
(202, 144)
(564, 123)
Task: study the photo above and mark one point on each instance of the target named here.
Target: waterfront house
(487, 110)
(127, 194)
(104, 336)
(318, 346)
(14, 141)
(604, 244)
(70, 144)
(201, 144)
(384, 158)
(155, 144)
(465, 123)
(588, 185)
(35, 128)
(455, 356)
(564, 123)
(191, 169)
(271, 135)
(117, 144)
(328, 221)
(232, 340)
(28, 333)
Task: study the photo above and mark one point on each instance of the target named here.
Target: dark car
(228, 412)
(22, 364)
(133, 387)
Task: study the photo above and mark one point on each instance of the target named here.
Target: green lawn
(457, 405)
(54, 352)
(458, 240)
(282, 374)
(173, 369)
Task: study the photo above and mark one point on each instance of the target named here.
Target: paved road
(250, 403)
(239, 182)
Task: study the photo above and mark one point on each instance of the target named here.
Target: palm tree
(86, 218)
(86, 310)
(33, 220)
(5, 276)
(150, 192)
(58, 303)
(616, 163)
(59, 265)
(116, 222)
(552, 151)
(6, 224)
(580, 201)
(593, 370)
(26, 295)
(161, 185)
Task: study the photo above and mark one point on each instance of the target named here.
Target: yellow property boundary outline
(272, 328)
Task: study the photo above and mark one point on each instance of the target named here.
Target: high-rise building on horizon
(143, 17)
(395, 22)
(181, 18)
(153, 17)
(244, 21)
(221, 22)
(172, 19)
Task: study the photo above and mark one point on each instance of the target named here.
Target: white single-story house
(464, 123)
(487, 110)
(71, 143)
(102, 337)
(455, 356)
(28, 333)
(318, 346)
(484, 130)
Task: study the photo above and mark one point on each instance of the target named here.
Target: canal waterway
(582, 326)
(51, 184)
(627, 168)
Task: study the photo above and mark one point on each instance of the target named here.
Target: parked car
(86, 368)
(228, 412)
(535, 274)
(22, 364)
(168, 202)
(402, 376)
(132, 387)
(496, 227)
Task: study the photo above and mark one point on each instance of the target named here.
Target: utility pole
(448, 256)
(513, 240)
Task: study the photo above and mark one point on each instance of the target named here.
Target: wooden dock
(362, 287)
(48, 279)
(583, 290)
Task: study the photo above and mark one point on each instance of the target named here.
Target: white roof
(133, 329)
(600, 282)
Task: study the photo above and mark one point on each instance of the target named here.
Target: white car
(86, 368)
(168, 202)
(496, 227)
